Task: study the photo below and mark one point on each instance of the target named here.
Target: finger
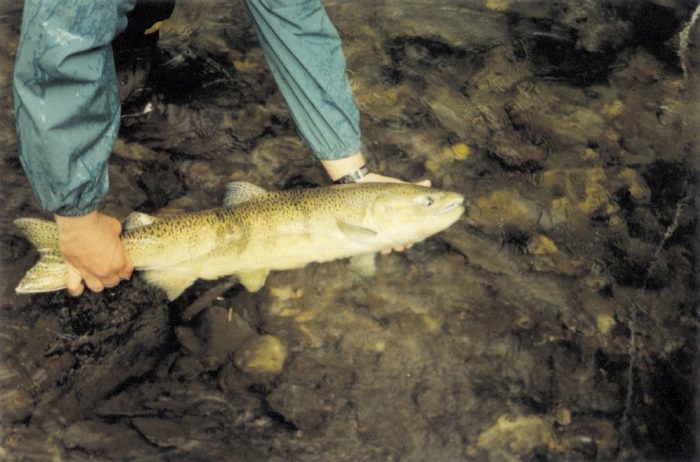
(93, 283)
(386, 252)
(125, 272)
(115, 225)
(74, 283)
(111, 281)
(425, 183)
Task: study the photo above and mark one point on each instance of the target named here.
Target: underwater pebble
(29, 444)
(299, 404)
(262, 355)
(95, 435)
(564, 417)
(542, 245)
(504, 208)
(188, 339)
(613, 109)
(605, 323)
(16, 404)
(16, 400)
(517, 435)
(134, 151)
(203, 174)
(161, 432)
(461, 151)
(187, 368)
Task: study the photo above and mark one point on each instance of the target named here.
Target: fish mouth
(450, 206)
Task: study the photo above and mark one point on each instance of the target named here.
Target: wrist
(71, 224)
(338, 168)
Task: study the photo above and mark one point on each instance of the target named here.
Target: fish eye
(425, 200)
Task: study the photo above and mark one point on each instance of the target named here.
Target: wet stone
(264, 355)
(17, 404)
(117, 440)
(162, 432)
(187, 368)
(188, 339)
(128, 403)
(300, 405)
(21, 443)
(223, 331)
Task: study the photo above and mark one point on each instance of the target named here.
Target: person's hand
(377, 178)
(341, 167)
(93, 251)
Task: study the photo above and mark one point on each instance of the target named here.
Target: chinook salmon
(257, 231)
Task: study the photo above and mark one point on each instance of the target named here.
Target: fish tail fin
(50, 272)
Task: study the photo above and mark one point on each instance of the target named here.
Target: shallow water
(557, 320)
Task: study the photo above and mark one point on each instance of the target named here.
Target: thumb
(114, 225)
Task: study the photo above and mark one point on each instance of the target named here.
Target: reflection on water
(555, 321)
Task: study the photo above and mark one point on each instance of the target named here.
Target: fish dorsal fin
(137, 220)
(238, 192)
(253, 280)
(357, 233)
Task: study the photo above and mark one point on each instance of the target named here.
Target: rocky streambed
(557, 320)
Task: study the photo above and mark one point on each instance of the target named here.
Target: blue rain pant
(66, 95)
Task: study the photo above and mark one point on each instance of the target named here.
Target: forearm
(304, 53)
(66, 101)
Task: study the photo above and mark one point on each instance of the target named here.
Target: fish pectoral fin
(253, 280)
(138, 220)
(357, 233)
(364, 265)
(50, 273)
(238, 192)
(172, 282)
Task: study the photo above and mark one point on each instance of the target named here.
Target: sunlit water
(555, 321)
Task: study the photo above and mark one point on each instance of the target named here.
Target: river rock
(264, 355)
(101, 437)
(504, 208)
(222, 332)
(165, 433)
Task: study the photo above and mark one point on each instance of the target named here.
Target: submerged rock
(504, 208)
(263, 355)
(223, 331)
(517, 437)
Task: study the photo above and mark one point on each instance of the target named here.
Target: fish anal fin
(47, 275)
(172, 282)
(357, 233)
(253, 280)
(238, 192)
(138, 220)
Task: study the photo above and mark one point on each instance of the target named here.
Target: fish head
(409, 213)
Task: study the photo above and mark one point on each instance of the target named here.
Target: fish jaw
(416, 214)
